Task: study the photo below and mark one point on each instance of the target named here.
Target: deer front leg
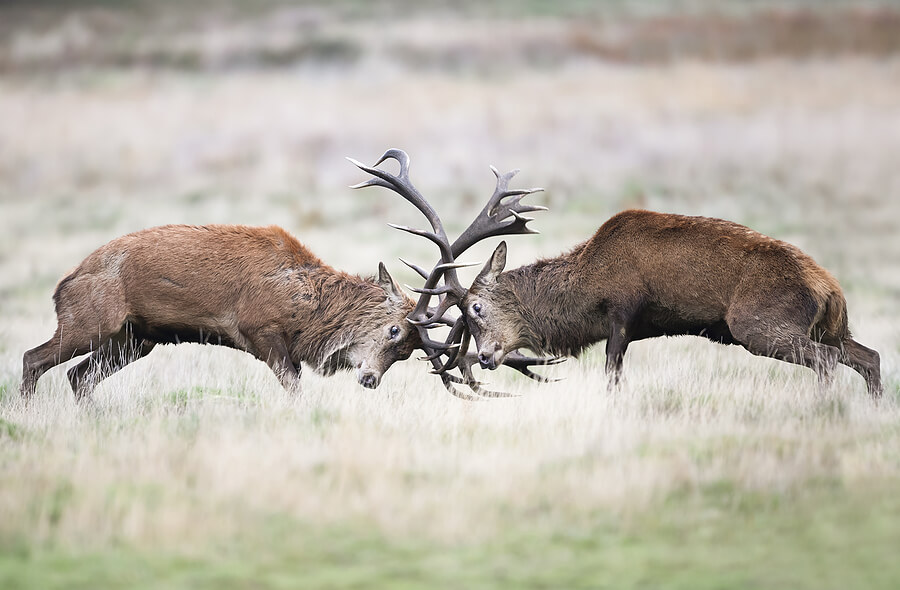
(273, 350)
(616, 345)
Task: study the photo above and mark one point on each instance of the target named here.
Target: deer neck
(557, 313)
(334, 305)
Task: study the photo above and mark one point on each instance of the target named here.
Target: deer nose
(486, 360)
(369, 381)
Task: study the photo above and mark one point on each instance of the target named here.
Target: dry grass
(179, 454)
(197, 444)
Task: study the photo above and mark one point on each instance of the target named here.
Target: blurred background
(117, 115)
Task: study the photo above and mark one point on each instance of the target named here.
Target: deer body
(256, 289)
(646, 274)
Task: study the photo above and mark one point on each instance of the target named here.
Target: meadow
(192, 468)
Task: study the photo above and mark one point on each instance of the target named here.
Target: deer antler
(502, 215)
(493, 220)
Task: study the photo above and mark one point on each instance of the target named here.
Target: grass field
(192, 468)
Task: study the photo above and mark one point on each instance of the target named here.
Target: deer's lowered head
(374, 336)
(490, 311)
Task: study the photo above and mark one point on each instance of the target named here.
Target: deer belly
(201, 328)
(665, 321)
(174, 334)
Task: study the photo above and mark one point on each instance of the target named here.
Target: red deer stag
(646, 274)
(256, 289)
(502, 215)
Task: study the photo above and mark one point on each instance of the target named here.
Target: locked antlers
(502, 215)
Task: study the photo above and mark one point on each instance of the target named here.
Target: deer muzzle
(366, 376)
(490, 357)
(369, 380)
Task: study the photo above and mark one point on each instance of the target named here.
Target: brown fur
(645, 274)
(252, 288)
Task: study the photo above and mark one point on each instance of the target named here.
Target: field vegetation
(711, 468)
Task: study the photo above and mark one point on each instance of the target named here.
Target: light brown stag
(256, 289)
(646, 274)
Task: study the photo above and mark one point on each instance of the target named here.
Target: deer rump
(646, 274)
(254, 289)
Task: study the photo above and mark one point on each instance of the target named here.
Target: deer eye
(395, 331)
(476, 307)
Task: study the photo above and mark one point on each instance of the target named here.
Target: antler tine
(443, 290)
(516, 357)
(468, 379)
(433, 346)
(432, 322)
(521, 363)
(430, 357)
(448, 381)
(419, 270)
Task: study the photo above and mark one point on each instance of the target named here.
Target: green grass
(10, 430)
(820, 540)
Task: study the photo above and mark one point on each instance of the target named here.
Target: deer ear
(387, 283)
(494, 266)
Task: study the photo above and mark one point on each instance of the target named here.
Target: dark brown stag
(502, 215)
(646, 274)
(256, 289)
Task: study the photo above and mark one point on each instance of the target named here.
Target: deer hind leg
(63, 346)
(72, 338)
(789, 345)
(115, 354)
(38, 361)
(864, 361)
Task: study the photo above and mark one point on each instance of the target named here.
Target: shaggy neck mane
(342, 304)
(552, 309)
